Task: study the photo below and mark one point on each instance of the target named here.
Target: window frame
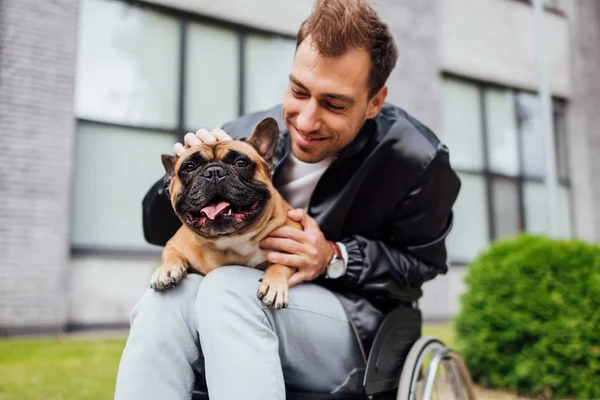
(183, 20)
(551, 8)
(559, 107)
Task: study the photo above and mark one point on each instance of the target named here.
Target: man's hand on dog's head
(306, 249)
(201, 136)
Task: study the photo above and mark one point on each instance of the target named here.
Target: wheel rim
(439, 374)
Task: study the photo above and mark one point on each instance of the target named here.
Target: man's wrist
(339, 260)
(336, 251)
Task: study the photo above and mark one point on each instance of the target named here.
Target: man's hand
(201, 136)
(305, 249)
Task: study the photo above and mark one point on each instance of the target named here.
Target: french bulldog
(223, 195)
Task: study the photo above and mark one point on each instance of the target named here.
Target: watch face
(336, 269)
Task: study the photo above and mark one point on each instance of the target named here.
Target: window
(268, 66)
(127, 65)
(496, 146)
(212, 76)
(145, 77)
(110, 181)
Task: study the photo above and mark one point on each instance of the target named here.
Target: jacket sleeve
(159, 219)
(414, 250)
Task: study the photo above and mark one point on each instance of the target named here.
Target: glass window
(537, 218)
(212, 77)
(512, 170)
(506, 208)
(109, 184)
(127, 65)
(461, 124)
(562, 155)
(532, 141)
(470, 232)
(501, 128)
(268, 65)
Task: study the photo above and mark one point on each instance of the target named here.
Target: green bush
(530, 318)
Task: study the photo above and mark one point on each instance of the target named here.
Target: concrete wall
(493, 40)
(414, 84)
(37, 66)
(584, 118)
(103, 290)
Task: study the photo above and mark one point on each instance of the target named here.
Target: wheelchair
(402, 365)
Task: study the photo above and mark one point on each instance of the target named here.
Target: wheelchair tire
(448, 380)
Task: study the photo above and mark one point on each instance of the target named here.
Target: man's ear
(169, 164)
(377, 102)
(264, 138)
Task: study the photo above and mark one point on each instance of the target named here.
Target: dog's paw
(273, 291)
(167, 276)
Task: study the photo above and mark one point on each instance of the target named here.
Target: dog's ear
(264, 138)
(169, 162)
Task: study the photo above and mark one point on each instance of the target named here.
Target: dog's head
(224, 188)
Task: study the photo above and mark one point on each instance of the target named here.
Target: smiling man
(373, 190)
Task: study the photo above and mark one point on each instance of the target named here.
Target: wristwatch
(337, 265)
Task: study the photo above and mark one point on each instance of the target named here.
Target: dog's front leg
(274, 288)
(172, 271)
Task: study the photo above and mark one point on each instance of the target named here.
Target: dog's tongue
(213, 211)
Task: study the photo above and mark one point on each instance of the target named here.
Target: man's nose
(309, 120)
(215, 173)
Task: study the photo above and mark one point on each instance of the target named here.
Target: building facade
(93, 91)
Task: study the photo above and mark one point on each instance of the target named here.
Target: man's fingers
(221, 135)
(191, 140)
(290, 233)
(205, 136)
(178, 149)
(302, 217)
(281, 244)
(296, 214)
(289, 260)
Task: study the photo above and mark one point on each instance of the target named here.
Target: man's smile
(306, 141)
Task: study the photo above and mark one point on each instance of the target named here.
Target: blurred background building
(93, 91)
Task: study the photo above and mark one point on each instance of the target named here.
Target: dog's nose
(215, 172)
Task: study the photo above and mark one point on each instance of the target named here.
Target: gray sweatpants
(217, 325)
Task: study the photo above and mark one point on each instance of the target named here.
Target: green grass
(82, 369)
(444, 332)
(58, 369)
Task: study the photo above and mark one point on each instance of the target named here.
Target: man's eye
(241, 163)
(188, 167)
(298, 93)
(335, 108)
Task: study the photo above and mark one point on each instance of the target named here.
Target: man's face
(326, 102)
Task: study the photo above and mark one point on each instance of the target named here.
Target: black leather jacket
(388, 197)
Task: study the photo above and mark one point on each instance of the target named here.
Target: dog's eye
(188, 167)
(241, 163)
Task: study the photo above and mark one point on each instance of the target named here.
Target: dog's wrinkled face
(223, 188)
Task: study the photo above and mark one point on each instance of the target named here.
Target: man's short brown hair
(336, 26)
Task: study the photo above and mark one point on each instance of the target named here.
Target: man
(360, 173)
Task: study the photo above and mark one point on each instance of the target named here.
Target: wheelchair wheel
(432, 371)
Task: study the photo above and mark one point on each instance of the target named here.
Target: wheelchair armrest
(399, 331)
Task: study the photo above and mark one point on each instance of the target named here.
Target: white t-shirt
(297, 180)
